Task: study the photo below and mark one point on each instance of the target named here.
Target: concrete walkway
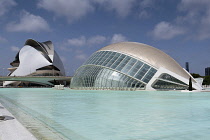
(11, 129)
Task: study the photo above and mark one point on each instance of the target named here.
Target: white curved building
(131, 66)
(36, 59)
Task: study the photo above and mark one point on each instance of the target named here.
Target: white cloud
(95, 40)
(118, 38)
(81, 41)
(144, 14)
(71, 9)
(194, 5)
(193, 20)
(145, 6)
(204, 30)
(73, 44)
(92, 41)
(193, 10)
(63, 47)
(29, 23)
(121, 7)
(147, 3)
(81, 56)
(165, 30)
(15, 49)
(74, 10)
(98, 39)
(5, 6)
(3, 39)
(196, 18)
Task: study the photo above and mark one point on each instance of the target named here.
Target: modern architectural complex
(131, 66)
(36, 59)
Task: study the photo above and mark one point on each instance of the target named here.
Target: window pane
(129, 65)
(114, 57)
(118, 61)
(149, 75)
(142, 71)
(108, 57)
(135, 68)
(123, 63)
(103, 58)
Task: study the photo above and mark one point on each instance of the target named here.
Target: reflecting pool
(110, 115)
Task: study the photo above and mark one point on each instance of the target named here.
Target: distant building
(36, 59)
(187, 66)
(131, 66)
(207, 71)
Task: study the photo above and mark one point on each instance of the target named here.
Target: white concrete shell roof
(148, 54)
(47, 46)
(47, 49)
(33, 56)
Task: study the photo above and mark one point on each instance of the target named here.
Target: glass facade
(112, 70)
(168, 82)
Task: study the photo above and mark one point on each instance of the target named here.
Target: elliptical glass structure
(113, 70)
(130, 66)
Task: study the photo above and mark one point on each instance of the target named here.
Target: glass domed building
(131, 66)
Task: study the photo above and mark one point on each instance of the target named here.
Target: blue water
(117, 115)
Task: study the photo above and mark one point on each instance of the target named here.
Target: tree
(195, 75)
(206, 80)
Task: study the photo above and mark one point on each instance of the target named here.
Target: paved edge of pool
(11, 128)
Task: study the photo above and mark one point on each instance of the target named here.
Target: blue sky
(77, 28)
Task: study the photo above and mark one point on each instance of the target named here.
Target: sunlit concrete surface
(11, 128)
(38, 79)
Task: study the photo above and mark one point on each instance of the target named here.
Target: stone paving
(11, 128)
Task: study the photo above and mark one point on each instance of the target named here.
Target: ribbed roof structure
(149, 54)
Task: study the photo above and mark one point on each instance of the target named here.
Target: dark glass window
(142, 71)
(118, 61)
(149, 75)
(163, 85)
(135, 68)
(129, 65)
(108, 57)
(123, 63)
(112, 60)
(171, 78)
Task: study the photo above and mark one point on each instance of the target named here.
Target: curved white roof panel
(34, 57)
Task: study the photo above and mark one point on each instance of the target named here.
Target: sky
(78, 28)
